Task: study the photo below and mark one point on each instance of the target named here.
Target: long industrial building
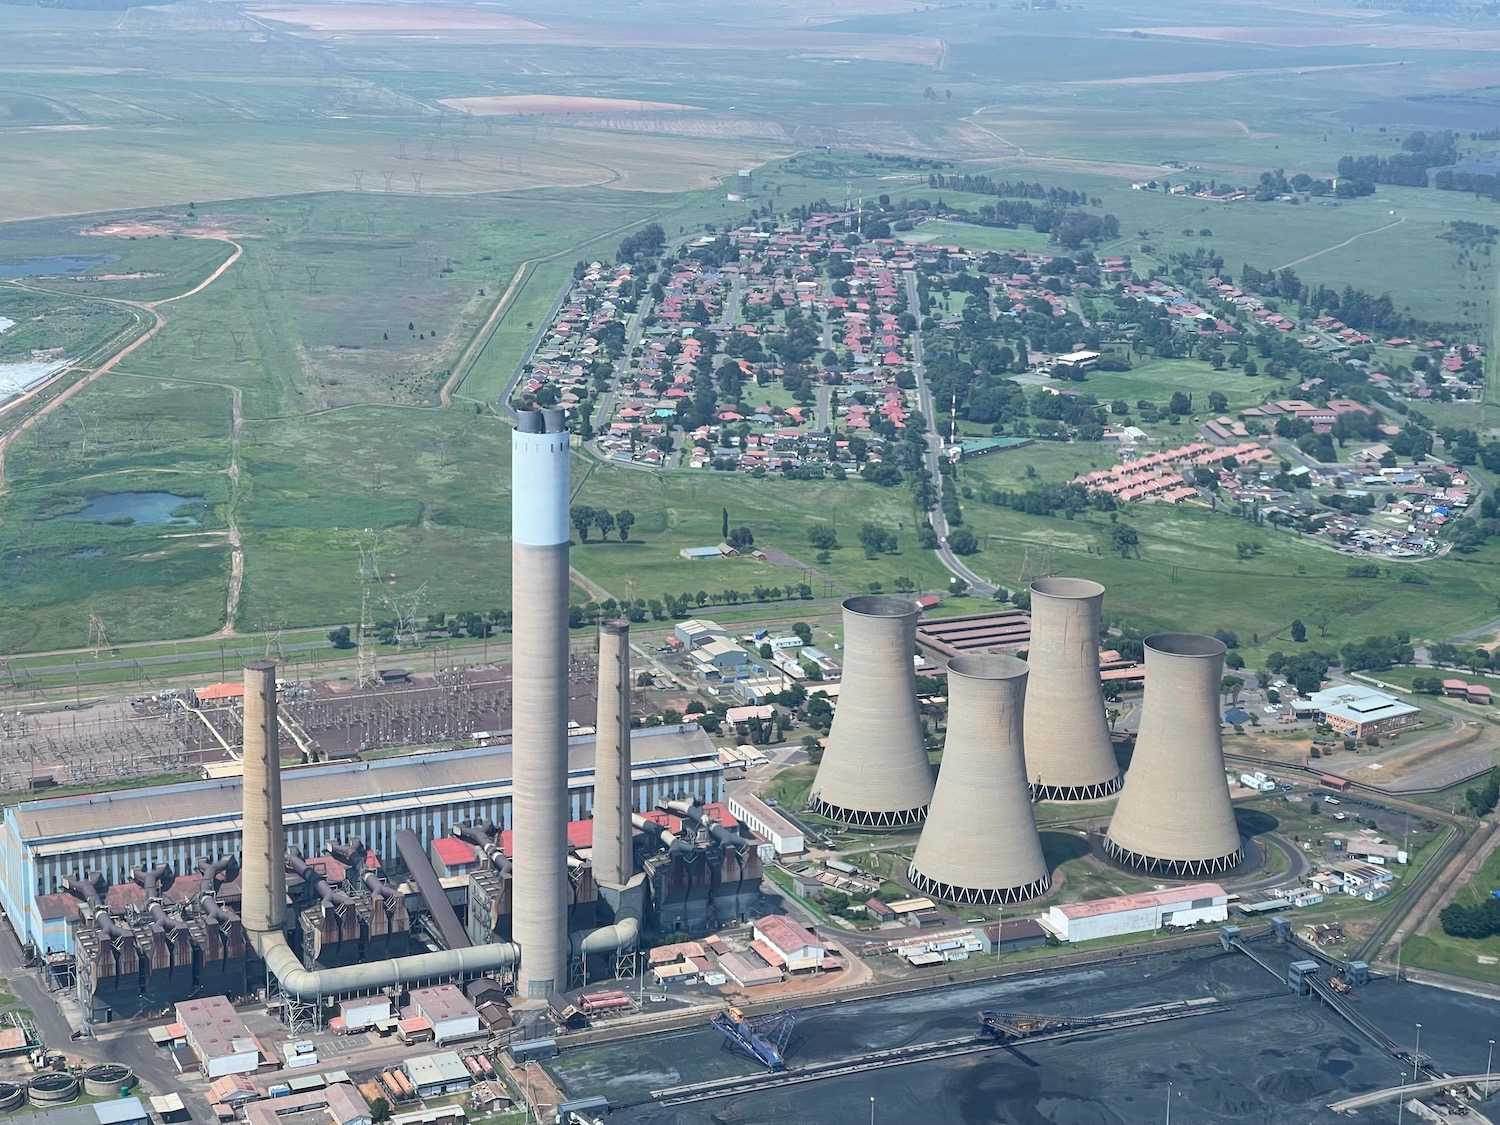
(46, 841)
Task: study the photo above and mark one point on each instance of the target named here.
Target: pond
(146, 509)
(57, 263)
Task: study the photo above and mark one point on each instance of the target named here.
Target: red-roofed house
(798, 946)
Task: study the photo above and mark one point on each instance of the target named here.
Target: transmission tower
(98, 638)
(369, 575)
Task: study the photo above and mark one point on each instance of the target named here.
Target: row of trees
(585, 517)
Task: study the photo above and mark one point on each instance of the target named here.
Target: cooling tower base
(903, 818)
(1076, 792)
(1180, 868)
(978, 896)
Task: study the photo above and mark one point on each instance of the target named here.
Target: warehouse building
(116, 1111)
(1137, 914)
(46, 841)
(767, 823)
(217, 1035)
(448, 1010)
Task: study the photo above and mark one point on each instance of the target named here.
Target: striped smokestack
(539, 611)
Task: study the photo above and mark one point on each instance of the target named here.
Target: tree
(624, 520)
(823, 537)
(740, 538)
(1230, 686)
(1299, 630)
(380, 1110)
(963, 542)
(583, 519)
(340, 637)
(1125, 540)
(724, 525)
(604, 522)
(803, 631)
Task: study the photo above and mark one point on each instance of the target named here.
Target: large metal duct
(875, 771)
(1069, 756)
(1174, 816)
(613, 833)
(540, 531)
(263, 878)
(980, 845)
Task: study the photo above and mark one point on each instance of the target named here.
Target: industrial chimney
(263, 852)
(1069, 756)
(1174, 815)
(875, 771)
(539, 661)
(613, 831)
(980, 845)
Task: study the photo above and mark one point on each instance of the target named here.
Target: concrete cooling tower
(1069, 756)
(980, 845)
(875, 771)
(1174, 815)
(539, 605)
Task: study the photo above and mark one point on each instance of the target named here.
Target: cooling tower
(613, 832)
(979, 844)
(263, 852)
(875, 770)
(539, 662)
(1069, 756)
(1174, 815)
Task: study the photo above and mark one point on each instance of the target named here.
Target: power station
(1069, 755)
(1174, 816)
(875, 772)
(980, 843)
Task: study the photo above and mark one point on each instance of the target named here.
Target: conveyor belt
(454, 936)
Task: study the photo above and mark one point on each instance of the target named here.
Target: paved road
(825, 406)
(934, 452)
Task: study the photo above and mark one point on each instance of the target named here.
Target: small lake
(60, 263)
(143, 509)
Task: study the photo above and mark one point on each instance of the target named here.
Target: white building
(1136, 914)
(365, 1011)
(218, 1036)
(440, 1073)
(448, 1010)
(767, 823)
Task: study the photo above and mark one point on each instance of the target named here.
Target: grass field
(971, 237)
(379, 227)
(1478, 959)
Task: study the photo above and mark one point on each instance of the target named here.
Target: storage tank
(1069, 755)
(1174, 816)
(875, 772)
(980, 844)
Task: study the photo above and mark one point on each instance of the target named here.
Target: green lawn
(1462, 956)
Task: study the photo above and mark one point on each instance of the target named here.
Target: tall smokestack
(980, 844)
(1069, 755)
(263, 852)
(1174, 816)
(539, 614)
(875, 771)
(613, 831)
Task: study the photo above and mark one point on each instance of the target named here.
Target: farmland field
(389, 245)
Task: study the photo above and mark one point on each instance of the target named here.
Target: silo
(613, 832)
(1069, 755)
(875, 771)
(263, 850)
(1174, 815)
(980, 844)
(540, 530)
